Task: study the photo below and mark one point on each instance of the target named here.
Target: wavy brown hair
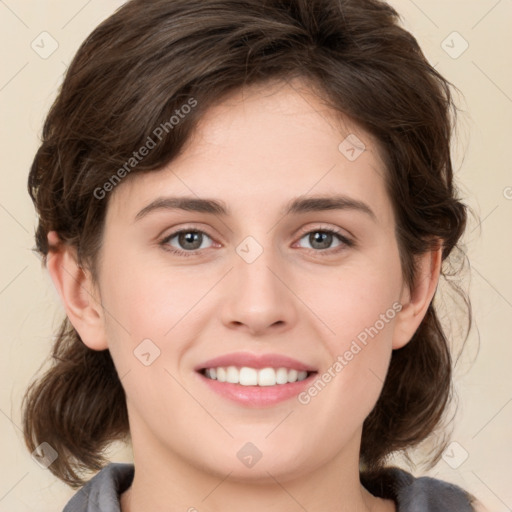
(136, 70)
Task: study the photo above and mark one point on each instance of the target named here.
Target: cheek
(348, 387)
(148, 311)
(361, 315)
(150, 301)
(163, 305)
(360, 299)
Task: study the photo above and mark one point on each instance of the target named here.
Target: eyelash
(347, 243)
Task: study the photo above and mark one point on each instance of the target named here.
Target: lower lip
(257, 396)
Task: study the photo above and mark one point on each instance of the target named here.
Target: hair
(136, 71)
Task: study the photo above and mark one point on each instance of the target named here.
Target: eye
(321, 239)
(188, 240)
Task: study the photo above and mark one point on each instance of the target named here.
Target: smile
(247, 376)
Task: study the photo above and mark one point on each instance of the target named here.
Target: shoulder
(419, 494)
(101, 493)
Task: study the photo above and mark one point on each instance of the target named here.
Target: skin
(255, 151)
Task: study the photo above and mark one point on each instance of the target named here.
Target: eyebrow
(295, 206)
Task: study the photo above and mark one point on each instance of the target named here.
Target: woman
(245, 207)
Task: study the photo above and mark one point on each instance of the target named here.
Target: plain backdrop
(468, 41)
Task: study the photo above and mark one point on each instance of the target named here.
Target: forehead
(261, 147)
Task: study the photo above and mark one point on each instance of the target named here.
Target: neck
(171, 484)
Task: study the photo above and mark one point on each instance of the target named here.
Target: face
(319, 285)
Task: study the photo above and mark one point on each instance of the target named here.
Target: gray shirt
(423, 494)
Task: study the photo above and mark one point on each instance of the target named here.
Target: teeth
(251, 377)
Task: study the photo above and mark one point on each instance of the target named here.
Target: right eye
(189, 241)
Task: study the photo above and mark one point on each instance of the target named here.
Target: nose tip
(257, 299)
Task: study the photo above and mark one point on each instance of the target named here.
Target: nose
(259, 296)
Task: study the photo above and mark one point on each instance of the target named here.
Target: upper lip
(257, 361)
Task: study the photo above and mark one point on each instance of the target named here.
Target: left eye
(322, 239)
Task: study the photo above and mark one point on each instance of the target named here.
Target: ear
(78, 293)
(415, 301)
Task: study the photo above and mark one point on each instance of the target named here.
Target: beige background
(31, 310)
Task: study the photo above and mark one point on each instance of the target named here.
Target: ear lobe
(416, 301)
(79, 296)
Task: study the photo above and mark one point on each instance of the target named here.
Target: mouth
(256, 380)
(256, 388)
